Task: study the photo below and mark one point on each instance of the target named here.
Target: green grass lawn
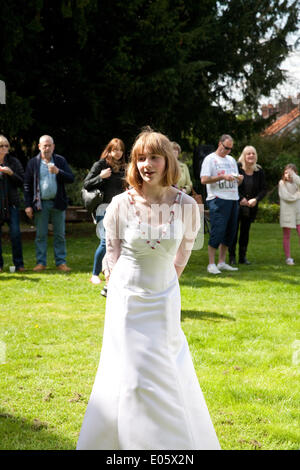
(242, 328)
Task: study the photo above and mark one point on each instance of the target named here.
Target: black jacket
(15, 181)
(111, 186)
(259, 189)
(32, 182)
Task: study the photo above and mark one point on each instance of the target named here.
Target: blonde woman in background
(251, 191)
(184, 183)
(11, 178)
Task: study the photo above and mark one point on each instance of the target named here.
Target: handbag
(91, 199)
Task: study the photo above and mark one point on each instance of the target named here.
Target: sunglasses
(226, 148)
(3, 145)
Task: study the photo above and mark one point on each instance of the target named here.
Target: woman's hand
(105, 173)
(106, 273)
(243, 202)
(7, 170)
(29, 212)
(252, 202)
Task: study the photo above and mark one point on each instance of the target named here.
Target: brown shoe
(64, 268)
(21, 269)
(39, 267)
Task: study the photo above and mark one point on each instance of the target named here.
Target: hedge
(268, 213)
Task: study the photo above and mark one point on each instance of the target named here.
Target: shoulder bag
(92, 199)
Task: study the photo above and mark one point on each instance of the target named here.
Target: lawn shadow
(52, 270)
(19, 434)
(266, 272)
(202, 315)
(271, 272)
(17, 277)
(199, 281)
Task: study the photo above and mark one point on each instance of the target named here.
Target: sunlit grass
(242, 329)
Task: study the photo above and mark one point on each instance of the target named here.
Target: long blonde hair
(3, 140)
(248, 148)
(154, 143)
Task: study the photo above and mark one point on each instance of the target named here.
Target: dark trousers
(15, 238)
(243, 230)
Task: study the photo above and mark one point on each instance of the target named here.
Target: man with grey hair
(46, 200)
(220, 173)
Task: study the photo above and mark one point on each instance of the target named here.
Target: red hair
(114, 144)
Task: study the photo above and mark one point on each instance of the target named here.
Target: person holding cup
(45, 199)
(11, 178)
(220, 174)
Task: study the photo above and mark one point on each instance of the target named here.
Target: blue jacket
(32, 182)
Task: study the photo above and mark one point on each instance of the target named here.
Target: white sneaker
(226, 267)
(212, 269)
(95, 279)
(290, 261)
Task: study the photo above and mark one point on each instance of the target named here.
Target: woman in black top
(251, 191)
(11, 178)
(107, 174)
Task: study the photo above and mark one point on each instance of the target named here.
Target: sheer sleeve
(191, 217)
(113, 242)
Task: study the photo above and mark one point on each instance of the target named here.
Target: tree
(87, 70)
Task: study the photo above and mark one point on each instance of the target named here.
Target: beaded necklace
(153, 244)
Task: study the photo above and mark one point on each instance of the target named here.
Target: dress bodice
(150, 244)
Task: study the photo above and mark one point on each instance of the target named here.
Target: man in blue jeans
(220, 173)
(46, 200)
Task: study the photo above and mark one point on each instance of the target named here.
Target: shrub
(276, 152)
(74, 189)
(268, 213)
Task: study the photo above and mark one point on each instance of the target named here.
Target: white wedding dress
(146, 393)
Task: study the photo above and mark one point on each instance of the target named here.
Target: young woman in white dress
(146, 394)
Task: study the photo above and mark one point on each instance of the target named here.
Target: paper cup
(12, 269)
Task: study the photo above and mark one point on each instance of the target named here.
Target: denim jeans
(99, 255)
(101, 250)
(223, 216)
(49, 214)
(15, 238)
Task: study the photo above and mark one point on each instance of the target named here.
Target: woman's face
(250, 157)
(4, 147)
(287, 174)
(176, 152)
(117, 153)
(151, 168)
